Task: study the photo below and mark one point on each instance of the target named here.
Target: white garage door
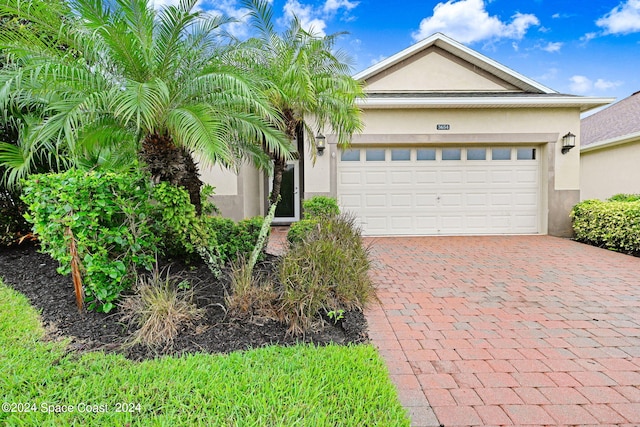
(449, 190)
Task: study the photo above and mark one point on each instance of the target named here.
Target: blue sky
(589, 47)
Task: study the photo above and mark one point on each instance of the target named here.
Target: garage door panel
(350, 178)
(451, 200)
(426, 177)
(373, 178)
(426, 200)
(351, 201)
(402, 200)
(452, 177)
(401, 178)
(477, 177)
(477, 199)
(441, 196)
(501, 177)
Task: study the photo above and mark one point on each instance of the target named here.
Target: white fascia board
(608, 143)
(584, 103)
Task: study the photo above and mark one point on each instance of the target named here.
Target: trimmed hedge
(613, 225)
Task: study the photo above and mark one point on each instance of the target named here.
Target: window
(375, 155)
(350, 156)
(526, 153)
(501, 154)
(476, 154)
(426, 154)
(400, 154)
(451, 153)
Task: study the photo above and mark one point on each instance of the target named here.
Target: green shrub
(299, 230)
(320, 207)
(109, 216)
(315, 211)
(233, 238)
(621, 197)
(613, 225)
(327, 271)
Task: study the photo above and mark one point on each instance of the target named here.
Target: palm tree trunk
(279, 165)
(175, 165)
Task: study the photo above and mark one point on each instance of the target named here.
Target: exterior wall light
(320, 143)
(568, 142)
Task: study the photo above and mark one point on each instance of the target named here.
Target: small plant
(160, 307)
(335, 315)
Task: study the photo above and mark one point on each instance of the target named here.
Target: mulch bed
(34, 274)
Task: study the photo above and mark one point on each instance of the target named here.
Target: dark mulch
(34, 274)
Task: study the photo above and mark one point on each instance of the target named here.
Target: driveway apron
(508, 330)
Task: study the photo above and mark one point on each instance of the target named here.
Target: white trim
(607, 143)
(463, 52)
(584, 103)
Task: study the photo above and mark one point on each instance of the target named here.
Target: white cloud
(555, 16)
(588, 37)
(306, 15)
(553, 47)
(378, 59)
(551, 74)
(604, 85)
(467, 21)
(622, 19)
(332, 6)
(580, 84)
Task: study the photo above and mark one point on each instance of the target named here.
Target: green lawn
(273, 386)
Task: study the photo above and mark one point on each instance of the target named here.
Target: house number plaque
(443, 127)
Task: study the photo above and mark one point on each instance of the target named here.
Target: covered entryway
(442, 190)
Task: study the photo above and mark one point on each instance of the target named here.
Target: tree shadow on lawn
(34, 274)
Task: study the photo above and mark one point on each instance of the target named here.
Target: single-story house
(454, 143)
(610, 150)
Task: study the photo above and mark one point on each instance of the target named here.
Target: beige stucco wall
(435, 70)
(237, 195)
(609, 171)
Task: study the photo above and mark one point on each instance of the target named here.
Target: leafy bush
(320, 207)
(327, 270)
(161, 306)
(233, 238)
(299, 230)
(613, 225)
(621, 197)
(316, 210)
(107, 214)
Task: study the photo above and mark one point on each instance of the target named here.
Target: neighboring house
(454, 143)
(610, 150)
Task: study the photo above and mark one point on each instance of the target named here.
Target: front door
(288, 209)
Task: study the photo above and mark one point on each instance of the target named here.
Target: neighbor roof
(615, 124)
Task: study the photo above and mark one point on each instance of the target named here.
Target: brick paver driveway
(509, 330)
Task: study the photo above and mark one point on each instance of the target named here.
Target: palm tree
(307, 81)
(133, 78)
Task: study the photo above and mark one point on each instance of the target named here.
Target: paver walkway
(509, 330)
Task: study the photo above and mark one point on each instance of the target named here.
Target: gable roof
(528, 93)
(616, 124)
(462, 52)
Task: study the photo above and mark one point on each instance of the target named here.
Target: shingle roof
(615, 121)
